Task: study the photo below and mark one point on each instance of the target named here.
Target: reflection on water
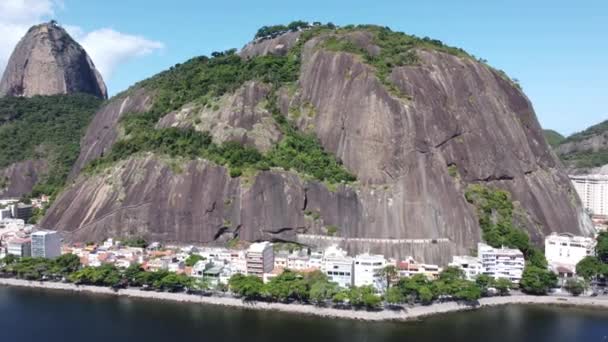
(29, 315)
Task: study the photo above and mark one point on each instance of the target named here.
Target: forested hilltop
(46, 131)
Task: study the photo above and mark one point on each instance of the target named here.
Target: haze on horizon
(554, 48)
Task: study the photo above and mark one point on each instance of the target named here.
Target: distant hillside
(553, 137)
(585, 150)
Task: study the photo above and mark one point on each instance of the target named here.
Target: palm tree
(389, 272)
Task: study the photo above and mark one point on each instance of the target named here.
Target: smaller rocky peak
(48, 61)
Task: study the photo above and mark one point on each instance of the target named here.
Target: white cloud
(16, 16)
(108, 48)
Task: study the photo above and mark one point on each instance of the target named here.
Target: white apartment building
(19, 247)
(469, 264)
(46, 244)
(593, 191)
(260, 258)
(316, 260)
(338, 266)
(501, 262)
(368, 271)
(566, 250)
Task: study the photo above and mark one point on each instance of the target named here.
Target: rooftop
(259, 247)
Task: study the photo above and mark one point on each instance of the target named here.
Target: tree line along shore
(312, 289)
(405, 314)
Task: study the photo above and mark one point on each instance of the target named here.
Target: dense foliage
(204, 79)
(45, 127)
(586, 159)
(396, 49)
(139, 242)
(594, 266)
(40, 268)
(495, 212)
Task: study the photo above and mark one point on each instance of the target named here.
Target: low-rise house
(158, 264)
(213, 273)
(409, 267)
(280, 259)
(298, 260)
(176, 266)
(198, 269)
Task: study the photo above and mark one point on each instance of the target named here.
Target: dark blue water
(45, 316)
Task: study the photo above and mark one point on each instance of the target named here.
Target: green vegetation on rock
(203, 79)
(495, 212)
(553, 137)
(45, 127)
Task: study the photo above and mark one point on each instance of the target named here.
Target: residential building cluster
(497, 263)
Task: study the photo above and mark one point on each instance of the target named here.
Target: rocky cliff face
(47, 61)
(457, 122)
(19, 178)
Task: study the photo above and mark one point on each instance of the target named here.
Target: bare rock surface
(239, 117)
(47, 61)
(19, 178)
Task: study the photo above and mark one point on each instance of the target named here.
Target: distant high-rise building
(593, 191)
(46, 244)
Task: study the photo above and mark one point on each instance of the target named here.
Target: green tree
(322, 291)
(394, 296)
(248, 287)
(537, 281)
(601, 248)
(389, 273)
(425, 295)
(341, 296)
(67, 263)
(132, 274)
(589, 267)
(193, 259)
(574, 286)
(484, 281)
(503, 285)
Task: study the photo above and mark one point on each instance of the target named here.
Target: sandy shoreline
(386, 315)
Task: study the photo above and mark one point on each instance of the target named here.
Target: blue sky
(557, 49)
